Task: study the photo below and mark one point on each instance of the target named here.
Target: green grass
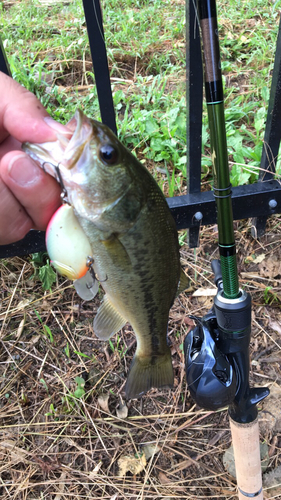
(146, 52)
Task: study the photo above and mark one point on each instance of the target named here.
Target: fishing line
(98, 24)
(271, 162)
(63, 194)
(196, 15)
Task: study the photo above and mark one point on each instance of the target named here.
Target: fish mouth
(67, 160)
(67, 149)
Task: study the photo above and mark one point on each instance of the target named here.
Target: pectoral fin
(117, 252)
(183, 283)
(108, 320)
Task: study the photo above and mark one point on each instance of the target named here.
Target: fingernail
(23, 170)
(58, 127)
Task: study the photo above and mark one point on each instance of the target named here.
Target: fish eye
(108, 154)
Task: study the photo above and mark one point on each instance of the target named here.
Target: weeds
(45, 328)
(146, 50)
(43, 270)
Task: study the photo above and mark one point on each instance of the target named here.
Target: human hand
(28, 196)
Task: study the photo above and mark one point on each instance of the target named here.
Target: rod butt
(246, 446)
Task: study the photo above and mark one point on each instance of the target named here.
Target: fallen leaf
(122, 411)
(35, 339)
(163, 478)
(182, 465)
(129, 463)
(20, 328)
(94, 472)
(150, 450)
(24, 303)
(259, 258)
(17, 454)
(206, 302)
(271, 267)
(276, 326)
(103, 402)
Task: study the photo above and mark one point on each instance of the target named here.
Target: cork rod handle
(246, 446)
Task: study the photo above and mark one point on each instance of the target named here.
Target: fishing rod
(217, 349)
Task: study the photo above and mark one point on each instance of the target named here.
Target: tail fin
(146, 373)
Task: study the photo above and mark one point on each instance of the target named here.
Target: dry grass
(56, 446)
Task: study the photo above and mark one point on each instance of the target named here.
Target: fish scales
(150, 261)
(134, 244)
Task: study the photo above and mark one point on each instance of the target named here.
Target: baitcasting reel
(209, 374)
(217, 356)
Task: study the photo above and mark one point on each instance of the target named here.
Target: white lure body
(67, 244)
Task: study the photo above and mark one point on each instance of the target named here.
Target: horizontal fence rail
(260, 200)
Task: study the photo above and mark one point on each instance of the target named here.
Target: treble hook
(89, 264)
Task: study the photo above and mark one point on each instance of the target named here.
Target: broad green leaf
(80, 381)
(47, 276)
(79, 393)
(151, 126)
(156, 144)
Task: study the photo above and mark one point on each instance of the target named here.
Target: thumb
(23, 116)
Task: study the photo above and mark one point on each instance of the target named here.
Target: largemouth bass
(133, 237)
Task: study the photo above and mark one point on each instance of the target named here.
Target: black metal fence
(256, 201)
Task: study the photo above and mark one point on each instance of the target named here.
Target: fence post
(272, 135)
(194, 99)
